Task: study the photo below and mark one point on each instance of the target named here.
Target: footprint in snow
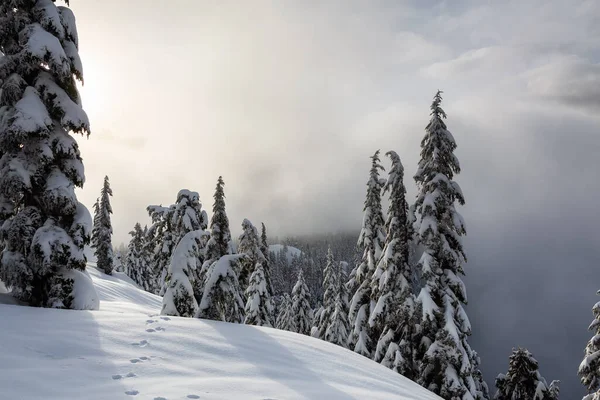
(151, 321)
(144, 358)
(193, 396)
(160, 328)
(165, 318)
(150, 330)
(141, 343)
(119, 376)
(135, 360)
(132, 392)
(160, 398)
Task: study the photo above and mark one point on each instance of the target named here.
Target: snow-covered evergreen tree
(523, 380)
(249, 244)
(95, 225)
(392, 318)
(259, 308)
(264, 248)
(43, 227)
(102, 231)
(338, 327)
(301, 310)
(179, 297)
(589, 369)
(284, 319)
(220, 236)
(371, 239)
(169, 225)
(137, 261)
(222, 297)
(446, 361)
(330, 291)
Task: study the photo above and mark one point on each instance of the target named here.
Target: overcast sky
(288, 99)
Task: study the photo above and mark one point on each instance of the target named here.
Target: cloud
(569, 80)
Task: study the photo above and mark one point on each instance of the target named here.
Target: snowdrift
(127, 351)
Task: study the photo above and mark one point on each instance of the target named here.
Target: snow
(291, 252)
(31, 114)
(85, 296)
(73, 115)
(126, 348)
(44, 46)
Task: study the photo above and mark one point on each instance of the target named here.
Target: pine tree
(446, 361)
(338, 327)
(249, 244)
(102, 231)
(179, 297)
(259, 308)
(222, 297)
(137, 261)
(44, 227)
(170, 224)
(220, 236)
(264, 248)
(284, 319)
(330, 291)
(523, 380)
(371, 239)
(301, 310)
(392, 318)
(589, 369)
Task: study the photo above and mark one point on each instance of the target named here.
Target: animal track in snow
(132, 392)
(150, 330)
(144, 358)
(193, 396)
(160, 398)
(165, 318)
(160, 328)
(141, 343)
(151, 321)
(119, 376)
(135, 360)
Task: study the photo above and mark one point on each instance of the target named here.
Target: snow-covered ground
(127, 351)
(291, 251)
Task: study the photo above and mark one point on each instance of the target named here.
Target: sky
(287, 100)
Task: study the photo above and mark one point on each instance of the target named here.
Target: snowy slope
(292, 251)
(127, 351)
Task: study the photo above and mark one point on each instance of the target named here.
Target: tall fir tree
(392, 318)
(330, 291)
(301, 310)
(523, 380)
(137, 260)
(285, 319)
(222, 299)
(220, 235)
(447, 365)
(371, 240)
(179, 297)
(44, 227)
(161, 242)
(589, 369)
(338, 327)
(249, 244)
(264, 248)
(259, 308)
(95, 224)
(102, 231)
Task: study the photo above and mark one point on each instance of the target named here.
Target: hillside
(126, 350)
